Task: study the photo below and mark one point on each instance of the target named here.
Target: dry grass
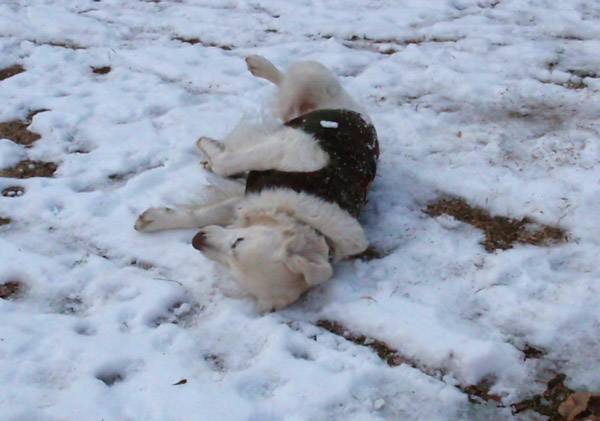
(13, 191)
(11, 71)
(500, 232)
(17, 131)
(477, 393)
(194, 41)
(388, 46)
(10, 289)
(28, 169)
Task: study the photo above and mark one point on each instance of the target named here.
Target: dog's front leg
(157, 219)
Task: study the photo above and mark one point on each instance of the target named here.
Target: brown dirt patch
(4, 221)
(11, 71)
(101, 70)
(10, 289)
(28, 169)
(67, 45)
(385, 352)
(194, 41)
(577, 81)
(13, 191)
(531, 352)
(17, 131)
(478, 393)
(389, 46)
(500, 232)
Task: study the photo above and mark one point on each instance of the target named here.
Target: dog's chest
(352, 146)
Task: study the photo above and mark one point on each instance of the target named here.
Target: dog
(281, 231)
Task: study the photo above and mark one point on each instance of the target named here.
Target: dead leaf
(574, 405)
(579, 406)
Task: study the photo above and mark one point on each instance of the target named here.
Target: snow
(493, 101)
(329, 124)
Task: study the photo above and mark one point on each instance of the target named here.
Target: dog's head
(270, 257)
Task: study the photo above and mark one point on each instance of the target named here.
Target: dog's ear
(307, 254)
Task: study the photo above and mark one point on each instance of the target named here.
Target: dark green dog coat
(351, 143)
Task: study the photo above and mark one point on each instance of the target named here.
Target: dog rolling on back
(281, 231)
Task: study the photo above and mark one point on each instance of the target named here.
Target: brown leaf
(574, 405)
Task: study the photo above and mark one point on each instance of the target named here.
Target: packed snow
(493, 101)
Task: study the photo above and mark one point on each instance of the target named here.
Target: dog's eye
(236, 242)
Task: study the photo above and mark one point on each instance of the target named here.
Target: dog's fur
(277, 243)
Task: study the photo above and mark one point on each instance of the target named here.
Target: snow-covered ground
(494, 101)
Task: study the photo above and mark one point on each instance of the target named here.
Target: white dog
(281, 231)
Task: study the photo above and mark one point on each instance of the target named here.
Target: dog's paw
(257, 64)
(204, 140)
(213, 151)
(263, 68)
(153, 219)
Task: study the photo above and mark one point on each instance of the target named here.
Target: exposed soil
(388, 46)
(16, 130)
(13, 191)
(385, 352)
(28, 169)
(10, 289)
(194, 41)
(11, 71)
(4, 221)
(500, 232)
(67, 45)
(478, 393)
(101, 70)
(532, 353)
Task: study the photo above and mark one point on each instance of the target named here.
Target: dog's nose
(199, 240)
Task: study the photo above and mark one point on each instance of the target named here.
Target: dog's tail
(263, 68)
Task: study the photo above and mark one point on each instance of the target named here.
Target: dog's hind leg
(263, 68)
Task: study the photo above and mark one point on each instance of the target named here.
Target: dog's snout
(199, 240)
